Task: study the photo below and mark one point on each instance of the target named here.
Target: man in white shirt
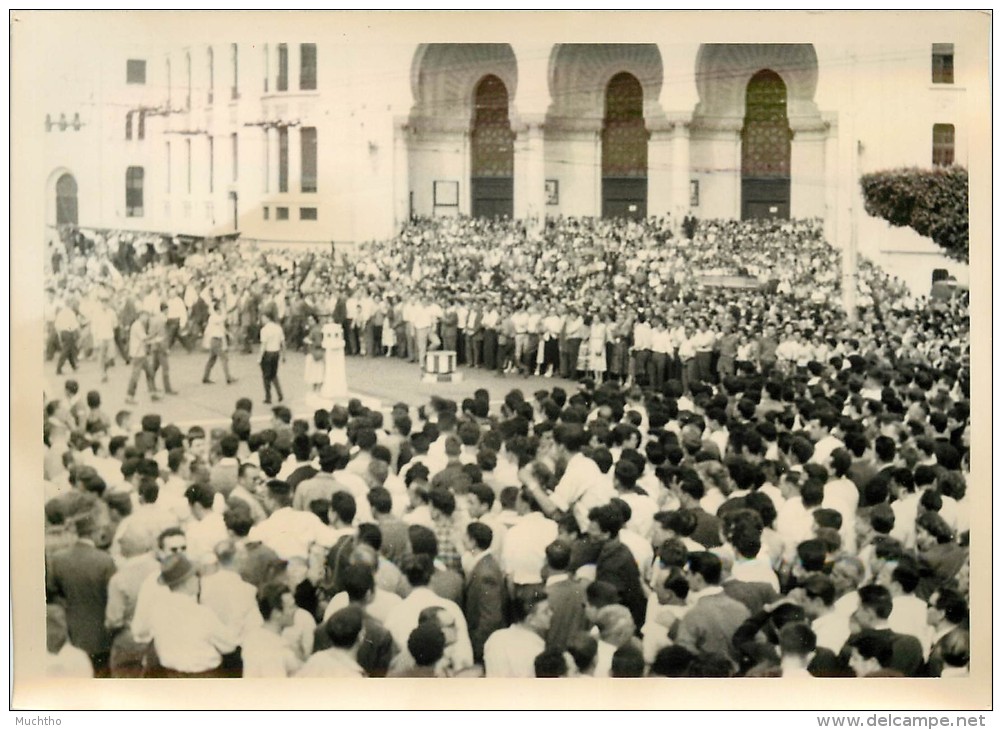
(206, 529)
(272, 349)
(817, 597)
(583, 485)
(910, 613)
(642, 341)
(149, 517)
(263, 651)
(189, 638)
(102, 326)
(511, 652)
(232, 598)
(524, 553)
(424, 324)
(404, 617)
(177, 319)
(290, 533)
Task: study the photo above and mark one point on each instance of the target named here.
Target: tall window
(942, 63)
(212, 165)
(134, 192)
(128, 125)
(187, 72)
(212, 74)
(282, 81)
(234, 89)
(141, 125)
(283, 159)
(943, 144)
(307, 66)
(135, 71)
(168, 167)
(187, 157)
(308, 147)
(234, 150)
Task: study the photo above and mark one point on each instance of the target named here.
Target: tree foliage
(931, 202)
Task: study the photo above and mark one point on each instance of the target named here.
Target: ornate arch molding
(51, 183)
(723, 71)
(444, 77)
(580, 72)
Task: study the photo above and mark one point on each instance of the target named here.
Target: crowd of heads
(802, 515)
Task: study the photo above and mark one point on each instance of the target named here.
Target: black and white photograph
(463, 346)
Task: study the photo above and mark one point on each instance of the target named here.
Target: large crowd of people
(741, 481)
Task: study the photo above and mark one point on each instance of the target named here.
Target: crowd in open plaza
(728, 475)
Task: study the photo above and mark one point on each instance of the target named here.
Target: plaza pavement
(378, 382)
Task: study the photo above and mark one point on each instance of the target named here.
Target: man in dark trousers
(484, 594)
(272, 350)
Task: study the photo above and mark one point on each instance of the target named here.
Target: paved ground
(378, 382)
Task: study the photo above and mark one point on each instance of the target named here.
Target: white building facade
(309, 139)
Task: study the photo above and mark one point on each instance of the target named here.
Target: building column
(401, 177)
(807, 168)
(660, 168)
(528, 116)
(530, 174)
(680, 170)
(831, 223)
(678, 100)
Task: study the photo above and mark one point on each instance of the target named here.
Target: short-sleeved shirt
(272, 337)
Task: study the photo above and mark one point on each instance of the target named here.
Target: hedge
(932, 202)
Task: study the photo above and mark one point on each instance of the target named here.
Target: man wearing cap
(189, 638)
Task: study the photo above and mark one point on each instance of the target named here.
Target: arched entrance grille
(66, 200)
(765, 149)
(493, 151)
(624, 150)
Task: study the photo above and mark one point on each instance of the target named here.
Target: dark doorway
(765, 149)
(493, 152)
(624, 150)
(66, 201)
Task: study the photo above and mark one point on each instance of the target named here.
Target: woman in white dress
(314, 368)
(596, 348)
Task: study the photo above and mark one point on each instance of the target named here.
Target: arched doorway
(492, 151)
(66, 200)
(624, 149)
(765, 149)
